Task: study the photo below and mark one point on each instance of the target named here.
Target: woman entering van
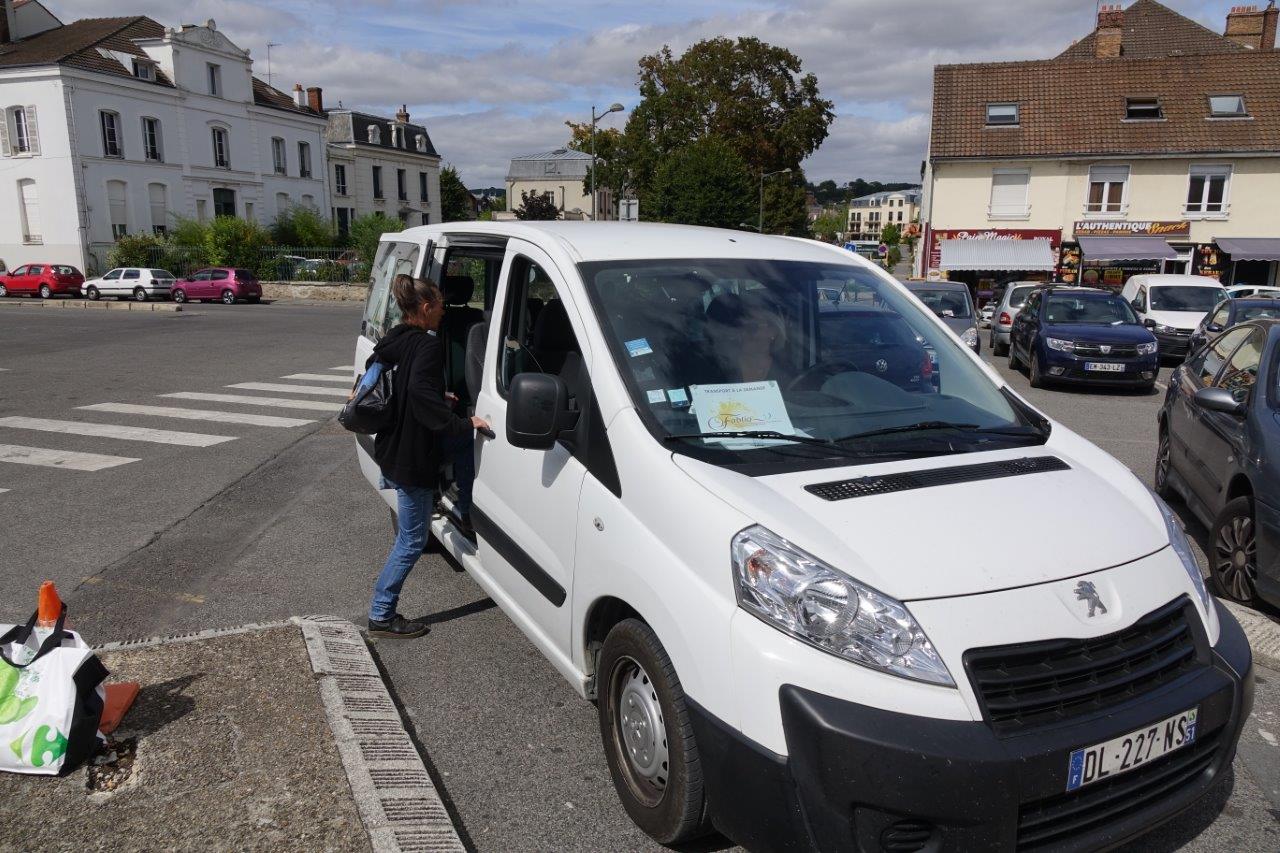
(409, 455)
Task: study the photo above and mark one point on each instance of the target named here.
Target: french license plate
(1122, 754)
(1105, 367)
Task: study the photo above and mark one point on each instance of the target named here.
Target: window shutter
(33, 129)
(4, 135)
(1009, 193)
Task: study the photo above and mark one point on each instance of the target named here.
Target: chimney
(1109, 38)
(315, 98)
(403, 116)
(299, 96)
(8, 26)
(1255, 29)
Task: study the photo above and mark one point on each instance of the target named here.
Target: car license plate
(1103, 366)
(1122, 754)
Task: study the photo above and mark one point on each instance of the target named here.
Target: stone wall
(284, 291)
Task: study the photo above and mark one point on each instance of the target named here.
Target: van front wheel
(648, 738)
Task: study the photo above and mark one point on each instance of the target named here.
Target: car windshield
(1019, 296)
(161, 274)
(744, 362)
(950, 304)
(1257, 312)
(1098, 310)
(1185, 298)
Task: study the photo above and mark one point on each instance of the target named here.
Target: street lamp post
(616, 108)
(763, 175)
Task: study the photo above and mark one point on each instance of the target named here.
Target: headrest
(552, 330)
(457, 289)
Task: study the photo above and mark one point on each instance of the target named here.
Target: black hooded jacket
(409, 454)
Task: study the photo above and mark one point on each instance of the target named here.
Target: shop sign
(1150, 228)
(936, 238)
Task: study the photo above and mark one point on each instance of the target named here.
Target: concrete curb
(101, 304)
(399, 804)
(1263, 634)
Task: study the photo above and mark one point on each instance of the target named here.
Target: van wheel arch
(603, 614)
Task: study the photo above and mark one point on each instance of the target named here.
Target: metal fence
(269, 263)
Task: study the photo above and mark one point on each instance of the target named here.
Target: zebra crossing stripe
(2, 491)
(70, 460)
(244, 399)
(125, 433)
(317, 377)
(289, 389)
(197, 415)
(346, 367)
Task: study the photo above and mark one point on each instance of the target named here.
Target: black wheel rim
(627, 709)
(1162, 460)
(1236, 557)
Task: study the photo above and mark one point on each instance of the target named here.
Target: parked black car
(1231, 312)
(1220, 450)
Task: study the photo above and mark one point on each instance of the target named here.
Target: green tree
(364, 233)
(134, 250)
(831, 224)
(301, 226)
(536, 206)
(704, 183)
(890, 235)
(234, 242)
(785, 211)
(455, 200)
(610, 167)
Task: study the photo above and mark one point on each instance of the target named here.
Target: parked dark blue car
(1082, 335)
(1220, 450)
(1231, 312)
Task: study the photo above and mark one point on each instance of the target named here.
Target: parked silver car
(1015, 293)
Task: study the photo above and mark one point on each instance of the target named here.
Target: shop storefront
(1107, 253)
(1249, 261)
(988, 258)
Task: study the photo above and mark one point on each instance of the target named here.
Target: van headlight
(1182, 547)
(970, 336)
(813, 602)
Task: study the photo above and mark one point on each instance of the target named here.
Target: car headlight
(1060, 345)
(1163, 329)
(813, 602)
(1182, 547)
(1147, 349)
(970, 336)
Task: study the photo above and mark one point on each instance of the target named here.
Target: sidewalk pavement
(1263, 633)
(278, 737)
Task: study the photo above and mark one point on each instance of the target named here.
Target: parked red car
(42, 279)
(225, 284)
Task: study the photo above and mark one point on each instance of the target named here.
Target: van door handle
(487, 433)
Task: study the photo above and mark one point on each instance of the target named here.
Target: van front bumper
(861, 778)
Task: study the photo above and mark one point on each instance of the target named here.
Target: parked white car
(1171, 306)
(742, 520)
(139, 283)
(1248, 291)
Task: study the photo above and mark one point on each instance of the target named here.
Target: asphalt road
(278, 521)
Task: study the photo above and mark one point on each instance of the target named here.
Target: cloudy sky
(493, 79)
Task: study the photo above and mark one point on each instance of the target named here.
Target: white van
(1171, 306)
(741, 519)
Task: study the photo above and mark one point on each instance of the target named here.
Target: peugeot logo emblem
(1087, 592)
(882, 365)
(1106, 348)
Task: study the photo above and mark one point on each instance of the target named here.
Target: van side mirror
(1149, 323)
(538, 410)
(1219, 400)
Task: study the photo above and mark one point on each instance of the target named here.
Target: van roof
(1165, 279)
(607, 241)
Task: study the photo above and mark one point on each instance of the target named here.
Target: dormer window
(420, 142)
(144, 69)
(375, 135)
(1002, 115)
(1143, 109)
(1227, 106)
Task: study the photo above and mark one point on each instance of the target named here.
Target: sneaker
(397, 628)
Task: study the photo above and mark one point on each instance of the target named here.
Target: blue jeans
(413, 510)
(462, 452)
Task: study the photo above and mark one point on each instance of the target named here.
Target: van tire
(674, 810)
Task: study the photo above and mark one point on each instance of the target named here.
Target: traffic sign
(882, 250)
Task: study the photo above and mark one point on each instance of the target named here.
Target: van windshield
(751, 361)
(1186, 298)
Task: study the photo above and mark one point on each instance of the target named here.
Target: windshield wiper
(758, 433)
(921, 426)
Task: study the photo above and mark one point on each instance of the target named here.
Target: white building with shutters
(115, 126)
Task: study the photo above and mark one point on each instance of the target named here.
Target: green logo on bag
(46, 749)
(12, 708)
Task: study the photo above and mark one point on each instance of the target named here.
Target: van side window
(380, 310)
(1141, 298)
(536, 332)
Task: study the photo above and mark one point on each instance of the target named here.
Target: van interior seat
(553, 339)
(458, 319)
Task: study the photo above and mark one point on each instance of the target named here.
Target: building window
(1002, 114)
(152, 144)
(1207, 190)
(118, 208)
(339, 179)
(18, 133)
(282, 203)
(30, 211)
(278, 162)
(374, 135)
(420, 142)
(309, 202)
(377, 182)
(402, 188)
(221, 150)
(158, 195)
(426, 219)
(1009, 189)
(1143, 109)
(144, 70)
(224, 202)
(423, 195)
(111, 143)
(1107, 190)
(202, 210)
(397, 136)
(215, 80)
(1227, 106)
(304, 160)
(248, 212)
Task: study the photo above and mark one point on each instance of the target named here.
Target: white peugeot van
(741, 519)
(1171, 306)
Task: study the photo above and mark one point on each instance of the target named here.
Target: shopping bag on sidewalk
(51, 698)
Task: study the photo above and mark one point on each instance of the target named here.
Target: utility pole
(616, 108)
(763, 175)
